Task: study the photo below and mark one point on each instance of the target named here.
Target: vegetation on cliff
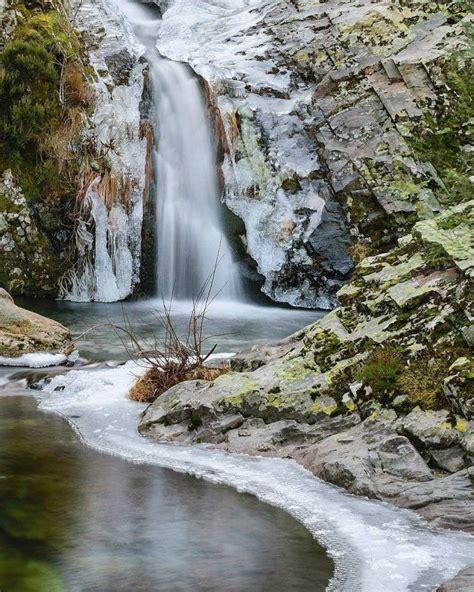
(45, 98)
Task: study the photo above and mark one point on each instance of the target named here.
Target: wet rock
(462, 582)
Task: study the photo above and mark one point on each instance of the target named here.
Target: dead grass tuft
(156, 381)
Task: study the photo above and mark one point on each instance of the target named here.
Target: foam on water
(374, 545)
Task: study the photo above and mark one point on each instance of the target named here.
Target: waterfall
(191, 243)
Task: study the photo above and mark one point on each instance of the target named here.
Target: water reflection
(73, 519)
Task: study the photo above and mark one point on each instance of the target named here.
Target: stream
(68, 511)
(73, 519)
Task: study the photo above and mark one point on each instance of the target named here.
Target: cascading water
(190, 236)
(191, 245)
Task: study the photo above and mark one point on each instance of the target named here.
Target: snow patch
(35, 360)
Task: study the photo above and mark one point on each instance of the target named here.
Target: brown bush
(78, 91)
(422, 382)
(157, 381)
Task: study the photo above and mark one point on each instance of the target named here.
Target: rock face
(375, 397)
(27, 255)
(325, 120)
(22, 331)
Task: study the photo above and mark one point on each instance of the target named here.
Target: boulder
(449, 459)
(23, 331)
(365, 458)
(261, 354)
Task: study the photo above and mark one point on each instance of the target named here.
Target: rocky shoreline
(374, 457)
(376, 397)
(373, 543)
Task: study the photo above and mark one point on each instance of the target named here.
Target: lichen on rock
(377, 396)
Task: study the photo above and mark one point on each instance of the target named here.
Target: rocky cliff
(376, 397)
(330, 119)
(333, 116)
(73, 151)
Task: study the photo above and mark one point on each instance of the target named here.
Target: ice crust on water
(35, 360)
(374, 545)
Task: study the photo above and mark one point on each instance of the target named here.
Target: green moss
(448, 127)
(327, 343)
(382, 370)
(422, 382)
(44, 98)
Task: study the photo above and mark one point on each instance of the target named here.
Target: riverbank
(376, 397)
(374, 545)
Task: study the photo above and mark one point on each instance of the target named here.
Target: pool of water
(229, 325)
(74, 519)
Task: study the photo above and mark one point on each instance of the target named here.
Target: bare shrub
(168, 356)
(174, 358)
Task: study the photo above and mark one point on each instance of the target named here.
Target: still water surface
(75, 520)
(232, 326)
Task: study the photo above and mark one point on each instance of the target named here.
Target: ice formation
(374, 545)
(108, 237)
(34, 360)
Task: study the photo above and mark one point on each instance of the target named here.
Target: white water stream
(190, 236)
